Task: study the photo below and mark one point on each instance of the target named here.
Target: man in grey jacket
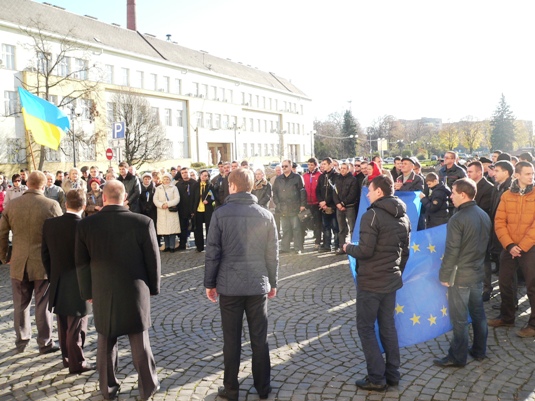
(241, 267)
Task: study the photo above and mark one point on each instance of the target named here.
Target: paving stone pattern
(315, 351)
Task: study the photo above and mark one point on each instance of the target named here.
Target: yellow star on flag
(432, 320)
(415, 319)
(444, 311)
(431, 248)
(399, 309)
(415, 247)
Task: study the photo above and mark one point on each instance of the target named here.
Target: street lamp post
(74, 112)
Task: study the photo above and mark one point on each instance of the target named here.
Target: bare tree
(61, 66)
(145, 138)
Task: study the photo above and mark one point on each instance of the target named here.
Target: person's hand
(272, 293)
(445, 284)
(422, 195)
(90, 301)
(397, 185)
(125, 203)
(339, 206)
(205, 202)
(323, 205)
(302, 208)
(211, 293)
(344, 247)
(165, 206)
(516, 251)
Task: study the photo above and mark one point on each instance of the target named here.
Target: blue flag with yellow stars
(421, 311)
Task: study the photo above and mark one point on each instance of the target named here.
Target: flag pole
(31, 149)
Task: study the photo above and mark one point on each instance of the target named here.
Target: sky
(409, 59)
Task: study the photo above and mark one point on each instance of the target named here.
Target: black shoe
(166, 250)
(321, 250)
(113, 394)
(281, 251)
(153, 392)
(392, 383)
(172, 250)
(86, 368)
(21, 348)
(476, 357)
(446, 362)
(340, 251)
(265, 396)
(486, 296)
(222, 392)
(49, 350)
(366, 384)
(498, 307)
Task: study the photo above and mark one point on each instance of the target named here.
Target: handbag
(328, 210)
(304, 215)
(172, 209)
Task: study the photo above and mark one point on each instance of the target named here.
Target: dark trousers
(346, 224)
(232, 309)
(72, 331)
(465, 301)
(184, 232)
(507, 276)
(317, 225)
(200, 219)
(22, 297)
(373, 306)
(107, 362)
(487, 269)
(330, 227)
(291, 229)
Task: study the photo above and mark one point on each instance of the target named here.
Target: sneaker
(526, 332)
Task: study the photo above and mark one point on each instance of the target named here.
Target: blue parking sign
(118, 130)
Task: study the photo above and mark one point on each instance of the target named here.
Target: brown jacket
(515, 220)
(25, 217)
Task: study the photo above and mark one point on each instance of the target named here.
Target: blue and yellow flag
(46, 122)
(421, 304)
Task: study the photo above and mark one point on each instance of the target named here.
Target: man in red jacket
(311, 178)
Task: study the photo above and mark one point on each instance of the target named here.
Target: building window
(288, 128)
(251, 124)
(168, 117)
(108, 74)
(272, 153)
(259, 125)
(8, 56)
(43, 59)
(266, 153)
(230, 96)
(110, 112)
(259, 149)
(217, 121)
(196, 89)
(81, 69)
(208, 120)
(179, 117)
(178, 86)
(204, 92)
(155, 113)
(139, 79)
(223, 96)
(213, 93)
(244, 150)
(10, 101)
(64, 67)
(166, 84)
(276, 105)
(200, 119)
(15, 150)
(252, 150)
(244, 124)
(153, 84)
(125, 77)
(243, 98)
(270, 103)
(225, 121)
(53, 99)
(257, 101)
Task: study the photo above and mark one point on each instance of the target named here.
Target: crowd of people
(245, 218)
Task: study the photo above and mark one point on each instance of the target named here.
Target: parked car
(389, 160)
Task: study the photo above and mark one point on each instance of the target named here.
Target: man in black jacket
(132, 187)
(462, 272)
(381, 254)
(290, 198)
(188, 190)
(409, 180)
(241, 266)
(450, 171)
(325, 195)
(57, 252)
(346, 198)
(118, 268)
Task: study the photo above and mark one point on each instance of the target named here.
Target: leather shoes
(392, 383)
(499, 323)
(156, 389)
(265, 396)
(366, 384)
(476, 357)
(49, 350)
(526, 332)
(486, 296)
(86, 368)
(222, 392)
(446, 362)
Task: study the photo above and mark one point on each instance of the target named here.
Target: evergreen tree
(350, 131)
(503, 129)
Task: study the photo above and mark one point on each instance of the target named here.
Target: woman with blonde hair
(166, 198)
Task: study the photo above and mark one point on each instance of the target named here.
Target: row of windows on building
(12, 106)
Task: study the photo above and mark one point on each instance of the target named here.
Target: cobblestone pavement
(315, 351)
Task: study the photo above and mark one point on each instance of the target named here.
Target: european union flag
(421, 304)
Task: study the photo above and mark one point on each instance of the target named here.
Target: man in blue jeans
(462, 272)
(381, 254)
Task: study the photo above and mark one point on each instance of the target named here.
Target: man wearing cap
(409, 180)
(451, 171)
(486, 162)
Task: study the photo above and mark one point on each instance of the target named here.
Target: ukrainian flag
(46, 122)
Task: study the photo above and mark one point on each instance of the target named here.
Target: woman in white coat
(167, 224)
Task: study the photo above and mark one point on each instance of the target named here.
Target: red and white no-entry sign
(109, 153)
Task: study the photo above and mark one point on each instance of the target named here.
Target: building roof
(28, 13)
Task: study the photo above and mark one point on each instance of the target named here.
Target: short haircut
(288, 161)
(328, 160)
(385, 183)
(36, 180)
(74, 169)
(497, 151)
(59, 172)
(244, 163)
(14, 177)
(75, 199)
(506, 166)
(527, 156)
(504, 156)
(184, 168)
(515, 159)
(520, 165)
(345, 164)
(313, 160)
(477, 164)
(243, 178)
(94, 167)
(220, 163)
(431, 177)
(377, 157)
(23, 170)
(451, 152)
(114, 191)
(467, 186)
(123, 164)
(397, 158)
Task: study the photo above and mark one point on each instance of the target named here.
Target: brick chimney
(131, 14)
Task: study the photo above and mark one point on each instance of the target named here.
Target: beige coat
(25, 217)
(167, 222)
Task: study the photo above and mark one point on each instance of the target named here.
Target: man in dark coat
(188, 189)
(241, 267)
(204, 210)
(118, 267)
(450, 171)
(346, 198)
(408, 180)
(132, 187)
(325, 196)
(71, 310)
(381, 254)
